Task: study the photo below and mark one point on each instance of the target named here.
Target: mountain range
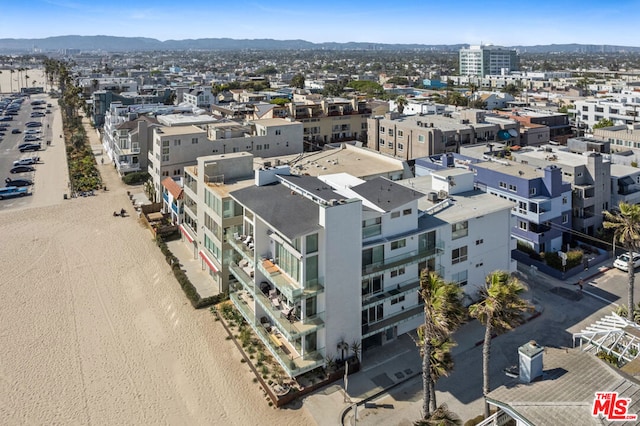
(128, 44)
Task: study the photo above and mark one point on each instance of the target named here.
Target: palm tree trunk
(486, 351)
(432, 390)
(426, 377)
(631, 278)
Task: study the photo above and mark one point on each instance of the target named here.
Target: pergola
(612, 335)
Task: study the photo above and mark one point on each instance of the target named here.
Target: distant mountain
(124, 44)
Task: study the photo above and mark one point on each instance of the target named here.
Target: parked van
(12, 191)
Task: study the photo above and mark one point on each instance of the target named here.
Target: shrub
(135, 178)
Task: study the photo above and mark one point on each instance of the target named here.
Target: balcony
(398, 318)
(246, 250)
(124, 167)
(289, 287)
(408, 258)
(287, 355)
(405, 287)
(243, 276)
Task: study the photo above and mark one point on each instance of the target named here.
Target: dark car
(30, 147)
(16, 131)
(33, 124)
(18, 182)
(22, 169)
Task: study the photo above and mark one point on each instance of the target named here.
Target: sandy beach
(94, 327)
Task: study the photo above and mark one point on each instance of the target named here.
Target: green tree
(441, 416)
(402, 81)
(625, 224)
(298, 81)
(401, 102)
(500, 309)
(604, 122)
(511, 89)
(371, 88)
(443, 313)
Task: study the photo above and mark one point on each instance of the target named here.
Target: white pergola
(612, 335)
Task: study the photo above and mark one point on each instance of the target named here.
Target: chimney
(530, 361)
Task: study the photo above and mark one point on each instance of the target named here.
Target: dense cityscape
(374, 234)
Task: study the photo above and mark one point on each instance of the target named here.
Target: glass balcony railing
(289, 287)
(391, 321)
(292, 326)
(241, 248)
(243, 276)
(408, 258)
(408, 286)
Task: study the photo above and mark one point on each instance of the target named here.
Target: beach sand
(94, 328)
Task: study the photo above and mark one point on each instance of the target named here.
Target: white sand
(94, 329)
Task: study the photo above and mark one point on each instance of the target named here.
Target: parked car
(33, 124)
(32, 131)
(12, 191)
(32, 138)
(31, 147)
(22, 169)
(16, 131)
(37, 114)
(622, 262)
(26, 161)
(18, 182)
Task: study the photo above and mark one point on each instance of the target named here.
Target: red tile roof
(172, 186)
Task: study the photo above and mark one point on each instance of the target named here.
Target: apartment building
(411, 137)
(179, 146)
(624, 140)
(484, 60)
(323, 261)
(199, 97)
(590, 178)
(541, 201)
(101, 101)
(622, 110)
(558, 126)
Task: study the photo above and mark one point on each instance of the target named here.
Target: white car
(622, 262)
(32, 131)
(26, 161)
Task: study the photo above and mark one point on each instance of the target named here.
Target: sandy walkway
(95, 330)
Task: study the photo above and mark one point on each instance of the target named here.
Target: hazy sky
(506, 23)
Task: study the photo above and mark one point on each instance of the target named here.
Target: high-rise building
(484, 60)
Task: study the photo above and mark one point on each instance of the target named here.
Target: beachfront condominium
(323, 262)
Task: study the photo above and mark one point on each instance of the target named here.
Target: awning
(208, 261)
(186, 233)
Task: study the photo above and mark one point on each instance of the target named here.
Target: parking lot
(49, 174)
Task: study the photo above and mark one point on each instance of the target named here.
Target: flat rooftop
(180, 130)
(186, 119)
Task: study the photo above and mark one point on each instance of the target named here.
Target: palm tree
(401, 102)
(441, 416)
(440, 363)
(443, 312)
(500, 309)
(626, 230)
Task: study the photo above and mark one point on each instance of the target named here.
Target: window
(396, 272)
(373, 314)
(266, 146)
(382, 129)
(176, 142)
(400, 133)
(513, 188)
(400, 147)
(372, 256)
(390, 132)
(460, 278)
(390, 144)
(503, 185)
(278, 132)
(287, 261)
(458, 255)
(564, 200)
(372, 285)
(480, 241)
(532, 191)
(194, 141)
(421, 138)
(398, 244)
(371, 227)
(312, 243)
(311, 269)
(459, 230)
(565, 218)
(522, 225)
(258, 147)
(395, 215)
(397, 299)
(406, 212)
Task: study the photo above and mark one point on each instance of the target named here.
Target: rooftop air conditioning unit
(432, 196)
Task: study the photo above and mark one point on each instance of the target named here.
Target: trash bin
(65, 196)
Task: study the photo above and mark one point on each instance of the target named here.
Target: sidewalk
(390, 374)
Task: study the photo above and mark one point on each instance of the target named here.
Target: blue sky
(506, 23)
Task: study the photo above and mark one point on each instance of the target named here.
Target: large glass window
(427, 241)
(373, 314)
(372, 255)
(312, 243)
(372, 285)
(311, 266)
(458, 255)
(287, 262)
(459, 230)
(231, 209)
(371, 227)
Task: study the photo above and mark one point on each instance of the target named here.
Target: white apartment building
(320, 262)
(200, 97)
(484, 60)
(622, 111)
